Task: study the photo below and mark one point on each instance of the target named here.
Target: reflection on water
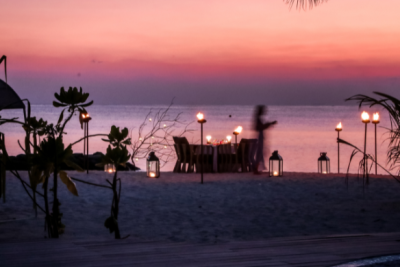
(301, 134)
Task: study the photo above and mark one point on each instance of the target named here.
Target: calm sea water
(301, 134)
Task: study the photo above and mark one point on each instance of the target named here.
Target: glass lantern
(275, 164)
(153, 166)
(109, 167)
(324, 164)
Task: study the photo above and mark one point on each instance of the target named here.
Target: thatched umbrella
(8, 100)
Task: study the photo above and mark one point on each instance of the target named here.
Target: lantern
(153, 166)
(324, 164)
(109, 167)
(275, 164)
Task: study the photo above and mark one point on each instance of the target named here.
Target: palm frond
(392, 106)
(304, 4)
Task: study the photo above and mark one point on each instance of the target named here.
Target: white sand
(233, 206)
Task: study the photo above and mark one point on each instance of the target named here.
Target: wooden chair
(245, 155)
(185, 155)
(207, 160)
(226, 158)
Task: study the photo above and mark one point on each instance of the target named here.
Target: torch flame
(200, 116)
(365, 116)
(238, 130)
(229, 138)
(339, 126)
(208, 137)
(376, 117)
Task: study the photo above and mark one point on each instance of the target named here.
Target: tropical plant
(117, 154)
(392, 106)
(49, 154)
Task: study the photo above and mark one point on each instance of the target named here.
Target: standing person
(259, 126)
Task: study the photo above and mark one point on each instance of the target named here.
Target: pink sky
(179, 43)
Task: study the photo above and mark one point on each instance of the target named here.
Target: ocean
(302, 132)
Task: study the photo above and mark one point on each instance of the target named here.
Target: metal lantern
(324, 164)
(109, 167)
(275, 164)
(153, 166)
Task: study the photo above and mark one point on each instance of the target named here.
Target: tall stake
(365, 151)
(87, 147)
(375, 121)
(338, 154)
(85, 120)
(338, 129)
(202, 157)
(376, 155)
(201, 120)
(365, 119)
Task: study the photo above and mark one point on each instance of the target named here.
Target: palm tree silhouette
(304, 4)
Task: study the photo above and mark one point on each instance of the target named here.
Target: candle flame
(275, 173)
(152, 174)
(376, 117)
(200, 116)
(339, 126)
(238, 130)
(208, 137)
(85, 115)
(365, 116)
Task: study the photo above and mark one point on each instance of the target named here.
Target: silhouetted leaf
(68, 182)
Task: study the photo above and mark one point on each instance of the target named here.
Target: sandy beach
(227, 207)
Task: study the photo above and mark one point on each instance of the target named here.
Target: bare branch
(159, 137)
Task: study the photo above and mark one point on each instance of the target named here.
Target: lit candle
(152, 174)
(375, 117)
(275, 173)
(324, 172)
(228, 137)
(365, 117)
(200, 116)
(208, 137)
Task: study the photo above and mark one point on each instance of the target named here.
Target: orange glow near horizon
(337, 39)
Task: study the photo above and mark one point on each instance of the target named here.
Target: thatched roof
(9, 98)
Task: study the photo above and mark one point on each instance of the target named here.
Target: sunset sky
(201, 52)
